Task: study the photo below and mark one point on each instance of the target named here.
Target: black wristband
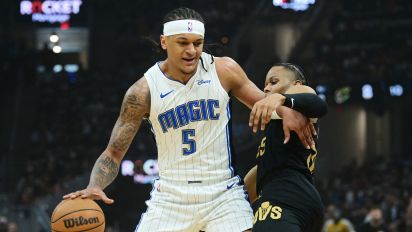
(289, 102)
(309, 104)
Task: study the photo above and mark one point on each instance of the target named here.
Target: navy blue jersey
(273, 156)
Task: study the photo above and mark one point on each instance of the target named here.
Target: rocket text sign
(50, 10)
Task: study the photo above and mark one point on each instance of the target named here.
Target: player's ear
(163, 42)
(298, 82)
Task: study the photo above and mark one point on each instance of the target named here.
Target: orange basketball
(77, 215)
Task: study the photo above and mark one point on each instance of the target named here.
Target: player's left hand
(301, 125)
(262, 110)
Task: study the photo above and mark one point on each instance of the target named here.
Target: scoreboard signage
(296, 5)
(50, 10)
(142, 171)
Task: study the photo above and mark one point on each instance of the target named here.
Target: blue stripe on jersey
(141, 216)
(228, 140)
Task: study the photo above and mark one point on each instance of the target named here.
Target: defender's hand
(93, 193)
(262, 110)
(297, 122)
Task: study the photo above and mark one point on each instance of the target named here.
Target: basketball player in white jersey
(185, 98)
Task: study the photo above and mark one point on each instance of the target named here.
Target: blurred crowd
(6, 225)
(376, 194)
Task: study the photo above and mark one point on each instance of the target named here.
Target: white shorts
(193, 207)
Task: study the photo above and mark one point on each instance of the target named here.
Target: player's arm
(135, 106)
(304, 99)
(234, 80)
(250, 184)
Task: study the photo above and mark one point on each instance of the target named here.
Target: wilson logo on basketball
(80, 221)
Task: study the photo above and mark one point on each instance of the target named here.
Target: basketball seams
(75, 212)
(80, 230)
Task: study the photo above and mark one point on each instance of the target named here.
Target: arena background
(59, 100)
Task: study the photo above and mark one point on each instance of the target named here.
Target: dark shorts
(288, 202)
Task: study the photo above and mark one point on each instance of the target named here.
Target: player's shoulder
(153, 71)
(226, 66)
(139, 83)
(225, 62)
(141, 92)
(220, 62)
(139, 88)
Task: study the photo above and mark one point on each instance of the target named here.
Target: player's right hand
(93, 193)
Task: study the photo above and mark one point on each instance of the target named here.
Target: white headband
(184, 26)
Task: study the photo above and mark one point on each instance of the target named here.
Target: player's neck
(174, 73)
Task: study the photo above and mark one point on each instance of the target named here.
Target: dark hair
(182, 13)
(296, 70)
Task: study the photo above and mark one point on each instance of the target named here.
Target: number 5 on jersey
(187, 139)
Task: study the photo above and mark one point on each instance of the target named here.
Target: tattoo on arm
(135, 106)
(127, 125)
(104, 172)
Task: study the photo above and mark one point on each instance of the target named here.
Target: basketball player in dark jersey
(280, 185)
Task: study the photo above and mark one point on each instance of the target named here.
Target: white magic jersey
(190, 123)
